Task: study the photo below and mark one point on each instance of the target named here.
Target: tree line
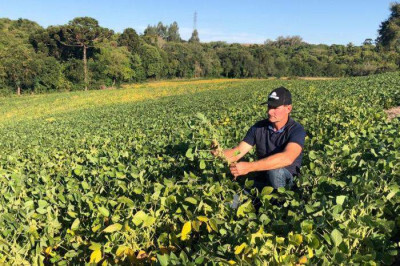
(83, 55)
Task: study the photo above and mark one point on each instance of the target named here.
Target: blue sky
(330, 21)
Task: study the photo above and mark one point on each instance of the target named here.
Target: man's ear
(289, 108)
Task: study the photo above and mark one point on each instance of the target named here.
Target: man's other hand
(238, 169)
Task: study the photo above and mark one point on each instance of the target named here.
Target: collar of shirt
(276, 131)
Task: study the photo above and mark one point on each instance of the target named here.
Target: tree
(368, 41)
(173, 33)
(130, 39)
(180, 60)
(389, 30)
(17, 57)
(18, 60)
(162, 30)
(150, 31)
(25, 70)
(48, 74)
(288, 41)
(43, 41)
(195, 37)
(151, 60)
(21, 28)
(155, 34)
(83, 32)
(114, 62)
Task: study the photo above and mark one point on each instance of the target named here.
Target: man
(279, 144)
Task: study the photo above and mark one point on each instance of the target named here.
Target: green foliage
(72, 70)
(161, 53)
(168, 33)
(84, 32)
(389, 30)
(151, 61)
(195, 37)
(114, 63)
(130, 39)
(143, 187)
(173, 33)
(21, 67)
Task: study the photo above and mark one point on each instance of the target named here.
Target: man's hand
(238, 169)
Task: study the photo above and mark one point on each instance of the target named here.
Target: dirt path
(393, 112)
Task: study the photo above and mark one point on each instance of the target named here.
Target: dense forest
(83, 55)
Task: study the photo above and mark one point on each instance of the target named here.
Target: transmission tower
(195, 21)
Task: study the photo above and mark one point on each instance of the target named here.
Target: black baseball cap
(279, 96)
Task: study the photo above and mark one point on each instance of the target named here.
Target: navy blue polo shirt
(269, 142)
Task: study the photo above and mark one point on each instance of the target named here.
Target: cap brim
(273, 104)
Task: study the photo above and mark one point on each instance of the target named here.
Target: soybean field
(126, 176)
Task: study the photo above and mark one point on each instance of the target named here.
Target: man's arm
(234, 155)
(278, 160)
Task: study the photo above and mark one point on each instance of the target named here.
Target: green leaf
(96, 228)
(85, 185)
(199, 260)
(184, 257)
(346, 150)
(391, 195)
(306, 227)
(191, 200)
(196, 225)
(249, 184)
(120, 251)
(29, 204)
(137, 191)
(336, 236)
(41, 211)
(295, 239)
(104, 211)
(95, 246)
(266, 191)
(75, 224)
(340, 199)
(213, 225)
(314, 243)
(189, 154)
(245, 208)
(201, 116)
(113, 228)
(202, 165)
(139, 217)
(312, 155)
(149, 221)
(163, 259)
(327, 239)
(78, 170)
(42, 203)
(126, 201)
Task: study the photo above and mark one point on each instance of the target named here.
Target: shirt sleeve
(250, 137)
(298, 136)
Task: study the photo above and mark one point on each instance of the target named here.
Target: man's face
(280, 113)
